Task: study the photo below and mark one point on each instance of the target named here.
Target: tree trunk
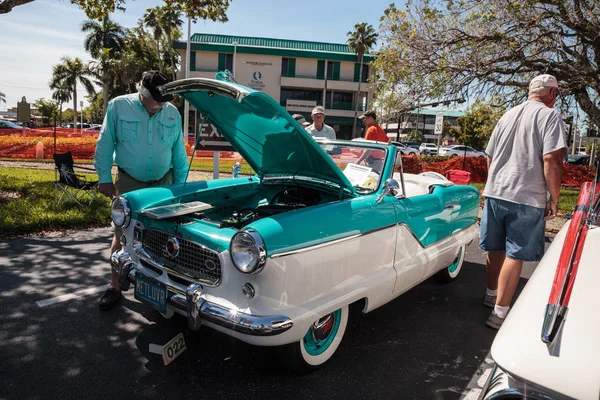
(60, 115)
(105, 89)
(357, 97)
(158, 54)
(171, 57)
(75, 106)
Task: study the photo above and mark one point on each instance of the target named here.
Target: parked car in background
(277, 259)
(460, 151)
(412, 145)
(428, 148)
(578, 159)
(407, 151)
(6, 124)
(548, 347)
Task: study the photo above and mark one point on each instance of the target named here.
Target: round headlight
(248, 252)
(120, 212)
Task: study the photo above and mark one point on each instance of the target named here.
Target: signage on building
(439, 123)
(211, 140)
(256, 82)
(300, 105)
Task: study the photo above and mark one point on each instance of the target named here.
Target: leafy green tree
(69, 115)
(104, 42)
(152, 20)
(448, 131)
(61, 95)
(171, 21)
(360, 40)
(94, 112)
(215, 10)
(47, 110)
(484, 48)
(415, 136)
(477, 125)
(67, 74)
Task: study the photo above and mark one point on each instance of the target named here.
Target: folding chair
(70, 186)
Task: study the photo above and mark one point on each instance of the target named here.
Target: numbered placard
(173, 349)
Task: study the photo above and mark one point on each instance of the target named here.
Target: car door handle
(450, 207)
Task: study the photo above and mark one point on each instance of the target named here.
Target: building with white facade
(422, 120)
(297, 74)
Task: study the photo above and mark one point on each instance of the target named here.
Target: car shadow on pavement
(427, 344)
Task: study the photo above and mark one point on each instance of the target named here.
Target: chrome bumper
(198, 309)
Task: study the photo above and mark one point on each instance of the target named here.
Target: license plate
(151, 291)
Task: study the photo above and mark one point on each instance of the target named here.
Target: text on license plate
(151, 291)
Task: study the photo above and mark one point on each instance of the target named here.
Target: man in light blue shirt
(318, 128)
(143, 132)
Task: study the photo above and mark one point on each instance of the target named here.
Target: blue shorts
(518, 229)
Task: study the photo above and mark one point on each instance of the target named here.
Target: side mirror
(391, 187)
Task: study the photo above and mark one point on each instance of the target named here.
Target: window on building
(365, 72)
(343, 101)
(288, 67)
(225, 62)
(301, 94)
(284, 66)
(430, 119)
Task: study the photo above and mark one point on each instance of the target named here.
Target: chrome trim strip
(197, 309)
(336, 241)
(145, 256)
(205, 84)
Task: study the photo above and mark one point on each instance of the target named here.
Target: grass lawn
(27, 205)
(199, 164)
(27, 202)
(568, 198)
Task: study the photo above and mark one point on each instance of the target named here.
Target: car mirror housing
(391, 187)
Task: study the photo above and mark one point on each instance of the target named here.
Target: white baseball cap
(543, 80)
(318, 110)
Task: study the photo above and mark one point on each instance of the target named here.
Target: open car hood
(263, 132)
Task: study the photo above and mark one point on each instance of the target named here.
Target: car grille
(194, 260)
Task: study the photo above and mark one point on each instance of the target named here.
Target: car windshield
(361, 165)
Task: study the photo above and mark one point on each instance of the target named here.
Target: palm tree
(67, 74)
(361, 40)
(61, 95)
(170, 20)
(2, 98)
(152, 19)
(105, 41)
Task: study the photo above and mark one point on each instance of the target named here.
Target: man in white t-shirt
(525, 154)
(318, 128)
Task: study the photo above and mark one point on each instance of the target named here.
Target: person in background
(301, 120)
(373, 158)
(318, 127)
(525, 155)
(144, 133)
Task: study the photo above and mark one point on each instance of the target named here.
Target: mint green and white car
(277, 259)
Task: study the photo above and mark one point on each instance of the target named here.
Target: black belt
(121, 170)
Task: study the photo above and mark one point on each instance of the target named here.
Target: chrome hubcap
(322, 328)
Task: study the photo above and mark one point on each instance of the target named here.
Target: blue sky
(35, 36)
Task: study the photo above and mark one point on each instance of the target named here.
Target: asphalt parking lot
(431, 343)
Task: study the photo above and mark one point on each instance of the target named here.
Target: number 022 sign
(174, 348)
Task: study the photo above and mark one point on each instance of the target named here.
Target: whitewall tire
(318, 344)
(450, 273)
